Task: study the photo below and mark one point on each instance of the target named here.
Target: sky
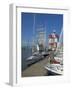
(51, 22)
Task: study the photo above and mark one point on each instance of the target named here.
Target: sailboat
(36, 56)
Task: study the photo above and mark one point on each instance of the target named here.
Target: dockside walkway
(36, 69)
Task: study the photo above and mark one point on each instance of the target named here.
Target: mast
(59, 47)
(34, 26)
(33, 40)
(60, 38)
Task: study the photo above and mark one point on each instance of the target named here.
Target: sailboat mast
(60, 38)
(34, 26)
(33, 41)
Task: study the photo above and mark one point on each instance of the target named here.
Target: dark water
(25, 53)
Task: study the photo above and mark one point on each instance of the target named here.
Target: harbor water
(26, 52)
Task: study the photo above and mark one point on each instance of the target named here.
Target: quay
(36, 69)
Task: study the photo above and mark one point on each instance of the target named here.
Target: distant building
(53, 41)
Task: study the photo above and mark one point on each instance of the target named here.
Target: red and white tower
(53, 41)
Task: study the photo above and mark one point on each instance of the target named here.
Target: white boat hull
(55, 68)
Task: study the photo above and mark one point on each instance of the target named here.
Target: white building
(53, 41)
